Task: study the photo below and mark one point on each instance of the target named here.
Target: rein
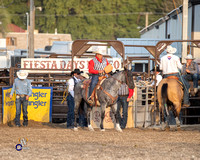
(109, 95)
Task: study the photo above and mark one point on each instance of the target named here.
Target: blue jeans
(185, 88)
(21, 101)
(70, 114)
(95, 79)
(122, 102)
(192, 77)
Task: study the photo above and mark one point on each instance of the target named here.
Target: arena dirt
(54, 141)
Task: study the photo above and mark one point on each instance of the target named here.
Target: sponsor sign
(39, 105)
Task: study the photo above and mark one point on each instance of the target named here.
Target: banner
(39, 105)
(58, 63)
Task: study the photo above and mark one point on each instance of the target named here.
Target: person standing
(70, 99)
(96, 68)
(190, 71)
(23, 89)
(124, 96)
(158, 76)
(170, 65)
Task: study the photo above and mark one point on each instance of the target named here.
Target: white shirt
(158, 79)
(71, 84)
(170, 64)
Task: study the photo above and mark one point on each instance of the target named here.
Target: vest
(98, 65)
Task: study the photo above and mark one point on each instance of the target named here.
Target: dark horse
(170, 92)
(107, 95)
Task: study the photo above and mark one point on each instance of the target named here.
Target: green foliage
(90, 19)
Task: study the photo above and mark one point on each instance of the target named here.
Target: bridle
(126, 78)
(109, 95)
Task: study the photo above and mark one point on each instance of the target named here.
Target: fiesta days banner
(39, 105)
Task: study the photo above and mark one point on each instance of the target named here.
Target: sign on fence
(39, 106)
(63, 64)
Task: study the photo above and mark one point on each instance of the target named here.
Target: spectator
(23, 89)
(190, 71)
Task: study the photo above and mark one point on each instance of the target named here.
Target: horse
(107, 95)
(170, 93)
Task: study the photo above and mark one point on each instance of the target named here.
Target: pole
(184, 30)
(31, 31)
(27, 30)
(146, 19)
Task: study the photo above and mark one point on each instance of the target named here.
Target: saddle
(94, 97)
(176, 78)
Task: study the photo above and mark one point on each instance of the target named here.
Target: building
(170, 26)
(17, 38)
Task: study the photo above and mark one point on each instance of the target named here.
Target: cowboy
(23, 89)
(70, 98)
(190, 71)
(96, 68)
(170, 65)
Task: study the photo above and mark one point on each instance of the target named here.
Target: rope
(65, 96)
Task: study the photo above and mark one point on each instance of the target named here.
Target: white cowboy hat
(99, 51)
(22, 74)
(189, 56)
(170, 50)
(85, 75)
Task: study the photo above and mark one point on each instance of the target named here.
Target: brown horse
(169, 91)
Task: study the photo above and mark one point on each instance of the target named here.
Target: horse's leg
(103, 108)
(116, 114)
(77, 100)
(89, 109)
(177, 106)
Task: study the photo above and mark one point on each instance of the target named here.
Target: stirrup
(90, 100)
(186, 105)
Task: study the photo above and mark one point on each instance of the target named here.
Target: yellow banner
(39, 105)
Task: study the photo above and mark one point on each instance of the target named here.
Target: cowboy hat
(189, 56)
(170, 50)
(157, 69)
(99, 51)
(76, 71)
(21, 74)
(85, 75)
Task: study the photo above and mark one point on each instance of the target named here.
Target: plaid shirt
(193, 68)
(123, 91)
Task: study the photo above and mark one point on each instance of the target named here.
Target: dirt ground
(54, 141)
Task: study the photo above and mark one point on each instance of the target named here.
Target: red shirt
(131, 91)
(91, 66)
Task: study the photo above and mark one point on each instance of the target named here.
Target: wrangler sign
(58, 63)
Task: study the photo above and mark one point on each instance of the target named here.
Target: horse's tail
(164, 97)
(164, 92)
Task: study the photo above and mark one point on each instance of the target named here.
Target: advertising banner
(63, 64)
(39, 105)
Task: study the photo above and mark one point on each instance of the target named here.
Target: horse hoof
(179, 129)
(75, 129)
(173, 129)
(90, 128)
(119, 130)
(102, 130)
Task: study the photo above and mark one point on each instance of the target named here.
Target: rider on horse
(96, 68)
(170, 65)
